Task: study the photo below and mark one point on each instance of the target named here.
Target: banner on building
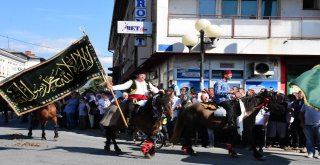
(53, 79)
(309, 84)
(258, 85)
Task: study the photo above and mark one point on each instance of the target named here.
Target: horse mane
(161, 99)
(251, 102)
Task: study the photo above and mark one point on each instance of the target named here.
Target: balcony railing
(249, 27)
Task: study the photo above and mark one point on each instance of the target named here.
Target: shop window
(311, 4)
(269, 8)
(249, 8)
(207, 7)
(229, 8)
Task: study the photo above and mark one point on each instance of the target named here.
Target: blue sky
(55, 24)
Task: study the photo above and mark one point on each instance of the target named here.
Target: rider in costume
(138, 90)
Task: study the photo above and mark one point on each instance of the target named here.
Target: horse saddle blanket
(111, 116)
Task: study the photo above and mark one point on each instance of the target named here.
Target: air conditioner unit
(263, 68)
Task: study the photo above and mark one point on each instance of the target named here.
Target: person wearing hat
(223, 95)
(138, 90)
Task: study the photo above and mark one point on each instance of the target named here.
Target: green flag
(309, 83)
(53, 79)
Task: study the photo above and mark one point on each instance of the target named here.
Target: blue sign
(141, 10)
(191, 73)
(166, 48)
(258, 85)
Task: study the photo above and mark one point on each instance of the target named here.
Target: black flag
(53, 79)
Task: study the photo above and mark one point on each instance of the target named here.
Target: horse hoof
(233, 154)
(147, 155)
(44, 138)
(56, 136)
(106, 148)
(118, 150)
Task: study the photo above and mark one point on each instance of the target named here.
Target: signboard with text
(134, 27)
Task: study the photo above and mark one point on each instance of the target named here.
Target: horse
(196, 115)
(143, 120)
(43, 115)
(5, 108)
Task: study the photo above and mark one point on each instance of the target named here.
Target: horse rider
(223, 95)
(138, 89)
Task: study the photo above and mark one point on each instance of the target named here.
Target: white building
(283, 34)
(12, 62)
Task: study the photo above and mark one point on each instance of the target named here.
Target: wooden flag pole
(115, 99)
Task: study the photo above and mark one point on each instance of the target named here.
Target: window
(311, 4)
(229, 7)
(207, 7)
(249, 7)
(269, 8)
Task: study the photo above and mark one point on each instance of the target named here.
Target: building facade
(264, 42)
(12, 62)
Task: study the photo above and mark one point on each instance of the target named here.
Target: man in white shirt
(138, 90)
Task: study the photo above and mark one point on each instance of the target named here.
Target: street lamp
(190, 40)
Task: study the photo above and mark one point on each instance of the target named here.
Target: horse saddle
(209, 106)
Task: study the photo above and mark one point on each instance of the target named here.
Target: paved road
(86, 147)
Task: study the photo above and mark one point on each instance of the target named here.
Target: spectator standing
(310, 121)
(298, 137)
(175, 87)
(70, 110)
(258, 131)
(83, 113)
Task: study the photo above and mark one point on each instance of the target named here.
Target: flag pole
(105, 79)
(115, 99)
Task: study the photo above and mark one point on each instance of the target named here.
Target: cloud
(53, 46)
(106, 60)
(46, 49)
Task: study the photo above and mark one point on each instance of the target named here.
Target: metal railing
(249, 26)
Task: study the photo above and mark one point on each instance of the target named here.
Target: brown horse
(43, 115)
(196, 116)
(144, 121)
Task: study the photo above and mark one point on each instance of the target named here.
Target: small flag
(309, 83)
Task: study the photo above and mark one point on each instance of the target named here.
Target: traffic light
(115, 73)
(111, 74)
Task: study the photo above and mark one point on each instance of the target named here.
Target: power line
(27, 42)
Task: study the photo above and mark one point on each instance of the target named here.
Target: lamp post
(190, 40)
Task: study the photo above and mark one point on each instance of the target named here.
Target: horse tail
(177, 131)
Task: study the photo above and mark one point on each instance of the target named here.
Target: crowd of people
(293, 125)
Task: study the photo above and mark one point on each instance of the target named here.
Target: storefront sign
(191, 73)
(134, 27)
(258, 85)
